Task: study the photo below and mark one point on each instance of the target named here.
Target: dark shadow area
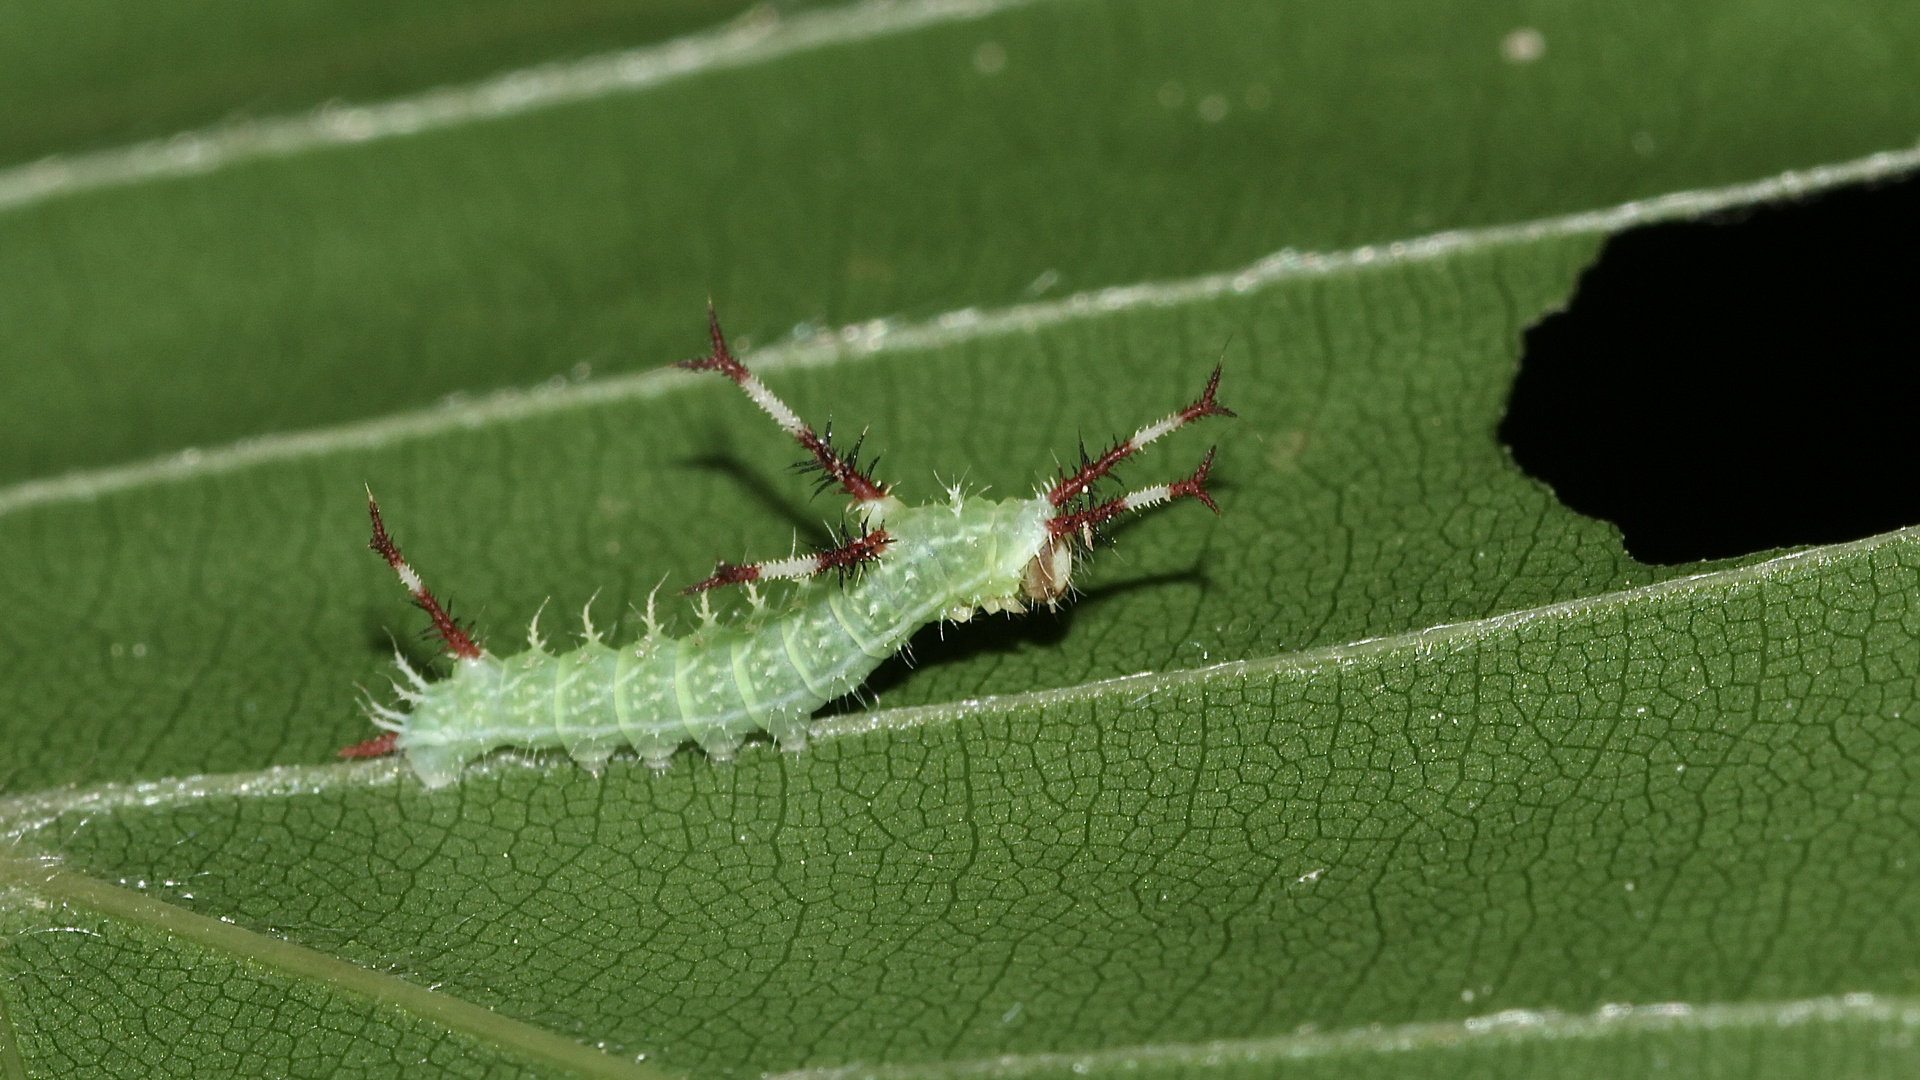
(947, 643)
(794, 509)
(1734, 384)
(422, 649)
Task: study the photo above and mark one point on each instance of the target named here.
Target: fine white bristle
(406, 669)
(385, 718)
(652, 623)
(534, 641)
(586, 620)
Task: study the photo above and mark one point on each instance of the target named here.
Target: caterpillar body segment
(725, 682)
(906, 567)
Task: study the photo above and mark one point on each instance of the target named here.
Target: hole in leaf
(1738, 383)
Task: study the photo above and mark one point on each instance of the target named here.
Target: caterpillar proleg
(899, 567)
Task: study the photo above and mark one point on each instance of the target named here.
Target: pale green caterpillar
(902, 567)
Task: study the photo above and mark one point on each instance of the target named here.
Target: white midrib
(1501, 1030)
(44, 883)
(859, 340)
(21, 815)
(48, 883)
(761, 35)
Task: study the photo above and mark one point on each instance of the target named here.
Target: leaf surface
(870, 168)
(1397, 766)
(100, 73)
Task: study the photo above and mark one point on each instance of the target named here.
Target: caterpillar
(899, 568)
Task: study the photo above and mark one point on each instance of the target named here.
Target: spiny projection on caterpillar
(899, 568)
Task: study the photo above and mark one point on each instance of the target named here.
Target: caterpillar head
(1047, 576)
(1050, 572)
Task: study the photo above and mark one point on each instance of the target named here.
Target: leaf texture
(1396, 767)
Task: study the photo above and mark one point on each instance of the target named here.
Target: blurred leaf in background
(1397, 767)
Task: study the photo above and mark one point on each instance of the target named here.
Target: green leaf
(100, 73)
(842, 167)
(1396, 767)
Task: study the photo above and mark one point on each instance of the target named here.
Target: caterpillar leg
(789, 730)
(841, 470)
(720, 744)
(438, 766)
